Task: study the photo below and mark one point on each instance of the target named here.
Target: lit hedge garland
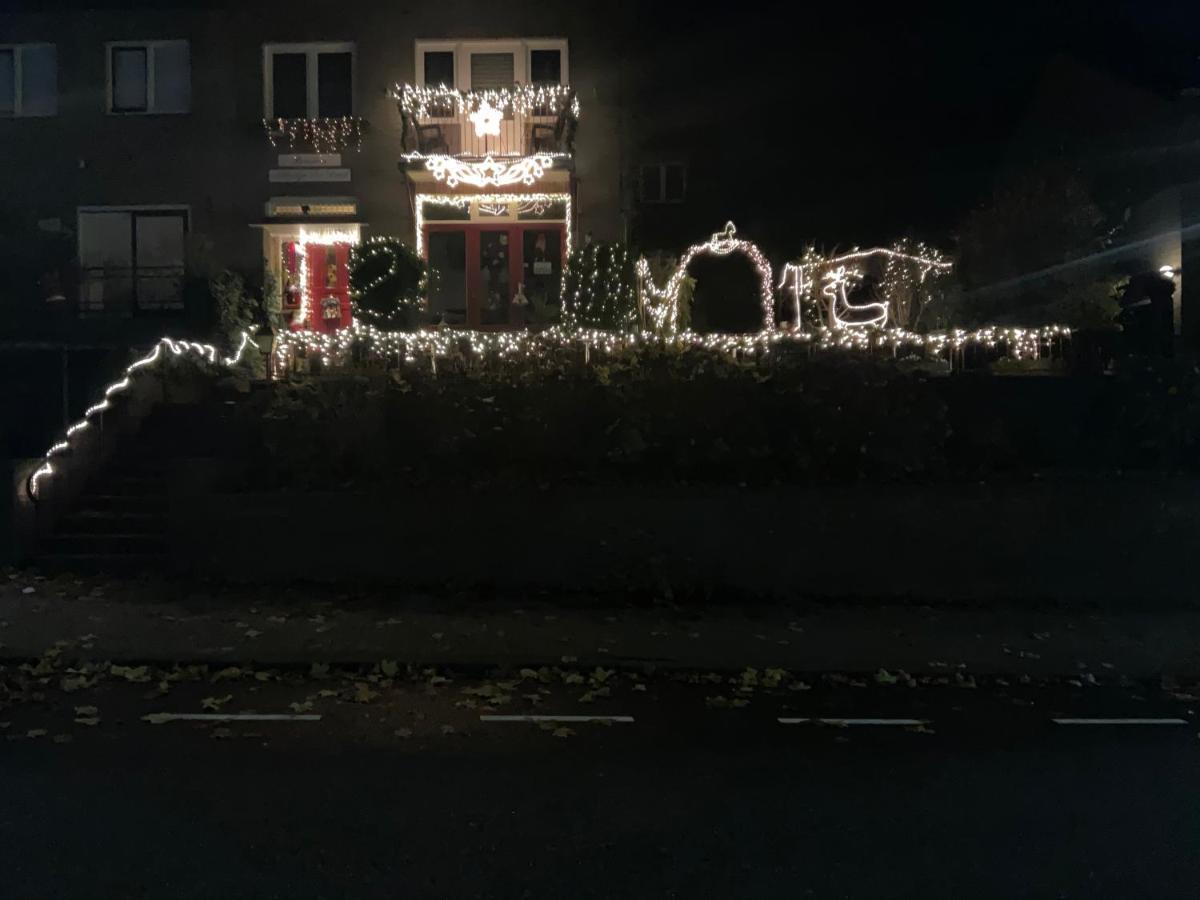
(323, 135)
(489, 172)
(664, 308)
(426, 346)
(424, 102)
(205, 352)
(462, 200)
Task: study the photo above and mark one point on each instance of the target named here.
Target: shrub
(601, 289)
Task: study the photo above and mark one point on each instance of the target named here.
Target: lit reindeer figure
(843, 313)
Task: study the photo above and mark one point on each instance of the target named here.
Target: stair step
(147, 503)
(105, 543)
(89, 521)
(100, 562)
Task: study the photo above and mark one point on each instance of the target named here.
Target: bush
(388, 281)
(601, 288)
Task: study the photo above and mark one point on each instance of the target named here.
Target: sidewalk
(167, 622)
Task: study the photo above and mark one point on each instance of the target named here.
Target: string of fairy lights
(426, 101)
(426, 346)
(326, 135)
(205, 353)
(461, 201)
(664, 302)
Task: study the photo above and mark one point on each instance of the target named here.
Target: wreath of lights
(205, 352)
(664, 310)
(462, 200)
(428, 102)
(489, 172)
(323, 135)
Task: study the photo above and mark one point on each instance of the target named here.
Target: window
(149, 77)
(308, 81)
(479, 65)
(439, 67)
(28, 80)
(132, 259)
(663, 182)
(545, 66)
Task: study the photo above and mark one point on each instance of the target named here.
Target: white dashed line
(236, 717)
(1119, 721)
(792, 721)
(485, 718)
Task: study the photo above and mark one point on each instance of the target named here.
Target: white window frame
(149, 47)
(519, 47)
(662, 166)
(18, 51)
(311, 50)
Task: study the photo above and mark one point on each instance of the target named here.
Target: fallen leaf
(363, 693)
(131, 673)
(86, 710)
(389, 668)
(319, 670)
(883, 676)
(403, 732)
(563, 732)
(215, 703)
(252, 632)
(447, 729)
(227, 672)
(35, 732)
(88, 720)
(304, 707)
(28, 590)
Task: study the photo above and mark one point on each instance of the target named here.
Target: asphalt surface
(399, 789)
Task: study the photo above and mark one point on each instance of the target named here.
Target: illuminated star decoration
(486, 120)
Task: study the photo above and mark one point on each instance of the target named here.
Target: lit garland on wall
(664, 308)
(323, 135)
(489, 172)
(464, 200)
(206, 353)
(426, 102)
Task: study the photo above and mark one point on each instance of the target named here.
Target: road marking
(486, 718)
(236, 717)
(1119, 721)
(783, 720)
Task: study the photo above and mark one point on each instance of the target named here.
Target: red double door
(479, 269)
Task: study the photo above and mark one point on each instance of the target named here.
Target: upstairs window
(28, 80)
(663, 182)
(480, 65)
(149, 77)
(308, 81)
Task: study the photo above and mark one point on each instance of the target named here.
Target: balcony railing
(517, 121)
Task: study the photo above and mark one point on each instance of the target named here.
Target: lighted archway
(664, 310)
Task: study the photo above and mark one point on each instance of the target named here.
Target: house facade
(159, 146)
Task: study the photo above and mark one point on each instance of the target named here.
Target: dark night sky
(880, 122)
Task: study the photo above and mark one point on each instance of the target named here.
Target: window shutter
(172, 77)
(491, 70)
(39, 80)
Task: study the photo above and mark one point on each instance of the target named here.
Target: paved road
(410, 795)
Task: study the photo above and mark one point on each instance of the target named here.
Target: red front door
(480, 266)
(329, 286)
